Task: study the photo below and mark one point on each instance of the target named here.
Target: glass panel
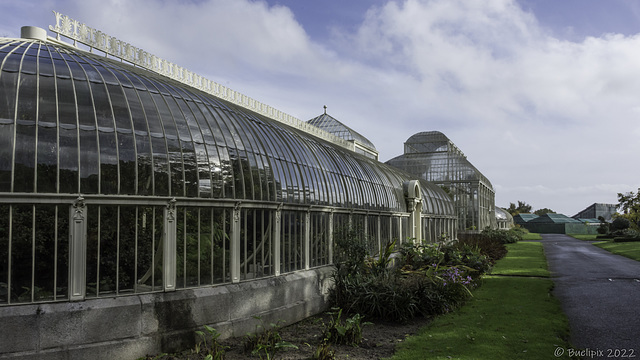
(176, 167)
(149, 245)
(8, 96)
(89, 162)
(190, 165)
(151, 112)
(107, 249)
(291, 243)
(104, 115)
(25, 157)
(120, 108)
(319, 232)
(188, 255)
(62, 256)
(145, 170)
(108, 163)
(127, 249)
(66, 102)
(93, 250)
(47, 250)
(127, 157)
(256, 244)
(160, 167)
(27, 97)
(4, 253)
(395, 229)
(137, 115)
(372, 235)
(86, 115)
(204, 171)
(68, 160)
(207, 249)
(22, 246)
(226, 173)
(220, 228)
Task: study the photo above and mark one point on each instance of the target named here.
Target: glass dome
(433, 157)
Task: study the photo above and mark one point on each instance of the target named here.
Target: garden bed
(380, 340)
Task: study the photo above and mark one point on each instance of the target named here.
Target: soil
(379, 341)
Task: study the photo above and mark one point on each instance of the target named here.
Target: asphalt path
(600, 293)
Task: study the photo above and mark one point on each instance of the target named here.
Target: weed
(324, 352)
(212, 348)
(347, 332)
(266, 342)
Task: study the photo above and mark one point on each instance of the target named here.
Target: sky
(542, 96)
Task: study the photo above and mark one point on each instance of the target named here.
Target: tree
(541, 212)
(629, 203)
(522, 208)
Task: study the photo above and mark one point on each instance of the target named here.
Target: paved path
(600, 293)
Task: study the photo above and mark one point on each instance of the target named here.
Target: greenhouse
(433, 157)
(131, 195)
(504, 220)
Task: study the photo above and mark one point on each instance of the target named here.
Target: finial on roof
(325, 109)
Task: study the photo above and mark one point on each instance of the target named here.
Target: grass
(531, 236)
(583, 237)
(509, 317)
(626, 249)
(523, 259)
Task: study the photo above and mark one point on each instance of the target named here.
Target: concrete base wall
(129, 327)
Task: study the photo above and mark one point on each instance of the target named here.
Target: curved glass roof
(74, 122)
(331, 125)
(435, 200)
(502, 214)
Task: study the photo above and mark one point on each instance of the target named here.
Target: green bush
(350, 247)
(619, 223)
(428, 279)
(510, 236)
(627, 235)
(493, 248)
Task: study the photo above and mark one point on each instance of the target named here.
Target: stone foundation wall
(129, 327)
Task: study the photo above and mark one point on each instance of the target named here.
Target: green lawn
(523, 259)
(627, 249)
(583, 237)
(509, 317)
(531, 236)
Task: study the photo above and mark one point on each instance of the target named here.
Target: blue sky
(541, 95)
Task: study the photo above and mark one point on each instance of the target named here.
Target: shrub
(628, 235)
(380, 296)
(510, 236)
(351, 248)
(428, 279)
(494, 249)
(620, 223)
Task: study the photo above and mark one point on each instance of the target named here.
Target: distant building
(522, 219)
(552, 223)
(596, 210)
